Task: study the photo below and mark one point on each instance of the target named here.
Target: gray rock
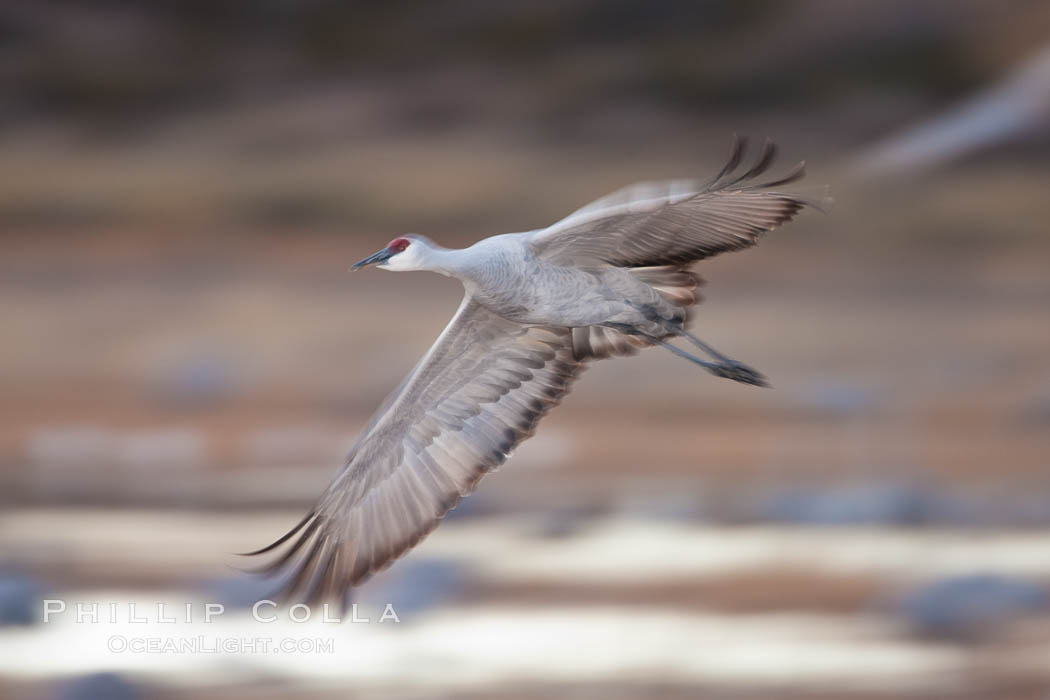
(851, 505)
(98, 686)
(20, 600)
(969, 607)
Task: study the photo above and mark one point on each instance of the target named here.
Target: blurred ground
(186, 358)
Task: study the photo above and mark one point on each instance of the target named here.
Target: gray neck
(451, 262)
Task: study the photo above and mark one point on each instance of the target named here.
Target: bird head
(403, 253)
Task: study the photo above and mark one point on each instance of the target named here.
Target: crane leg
(703, 346)
(724, 367)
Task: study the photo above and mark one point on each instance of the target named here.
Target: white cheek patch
(398, 262)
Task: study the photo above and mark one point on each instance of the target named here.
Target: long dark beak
(381, 256)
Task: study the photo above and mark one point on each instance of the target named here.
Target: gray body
(608, 280)
(506, 276)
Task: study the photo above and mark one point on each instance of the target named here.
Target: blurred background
(185, 359)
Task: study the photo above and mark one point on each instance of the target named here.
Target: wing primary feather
(322, 573)
(735, 156)
(331, 584)
(278, 564)
(765, 159)
(281, 540)
(305, 570)
(796, 173)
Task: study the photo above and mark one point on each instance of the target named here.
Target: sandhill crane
(611, 278)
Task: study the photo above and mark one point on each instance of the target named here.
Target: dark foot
(739, 372)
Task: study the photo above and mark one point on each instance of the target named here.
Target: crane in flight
(608, 280)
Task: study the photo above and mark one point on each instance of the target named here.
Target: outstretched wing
(479, 391)
(675, 222)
